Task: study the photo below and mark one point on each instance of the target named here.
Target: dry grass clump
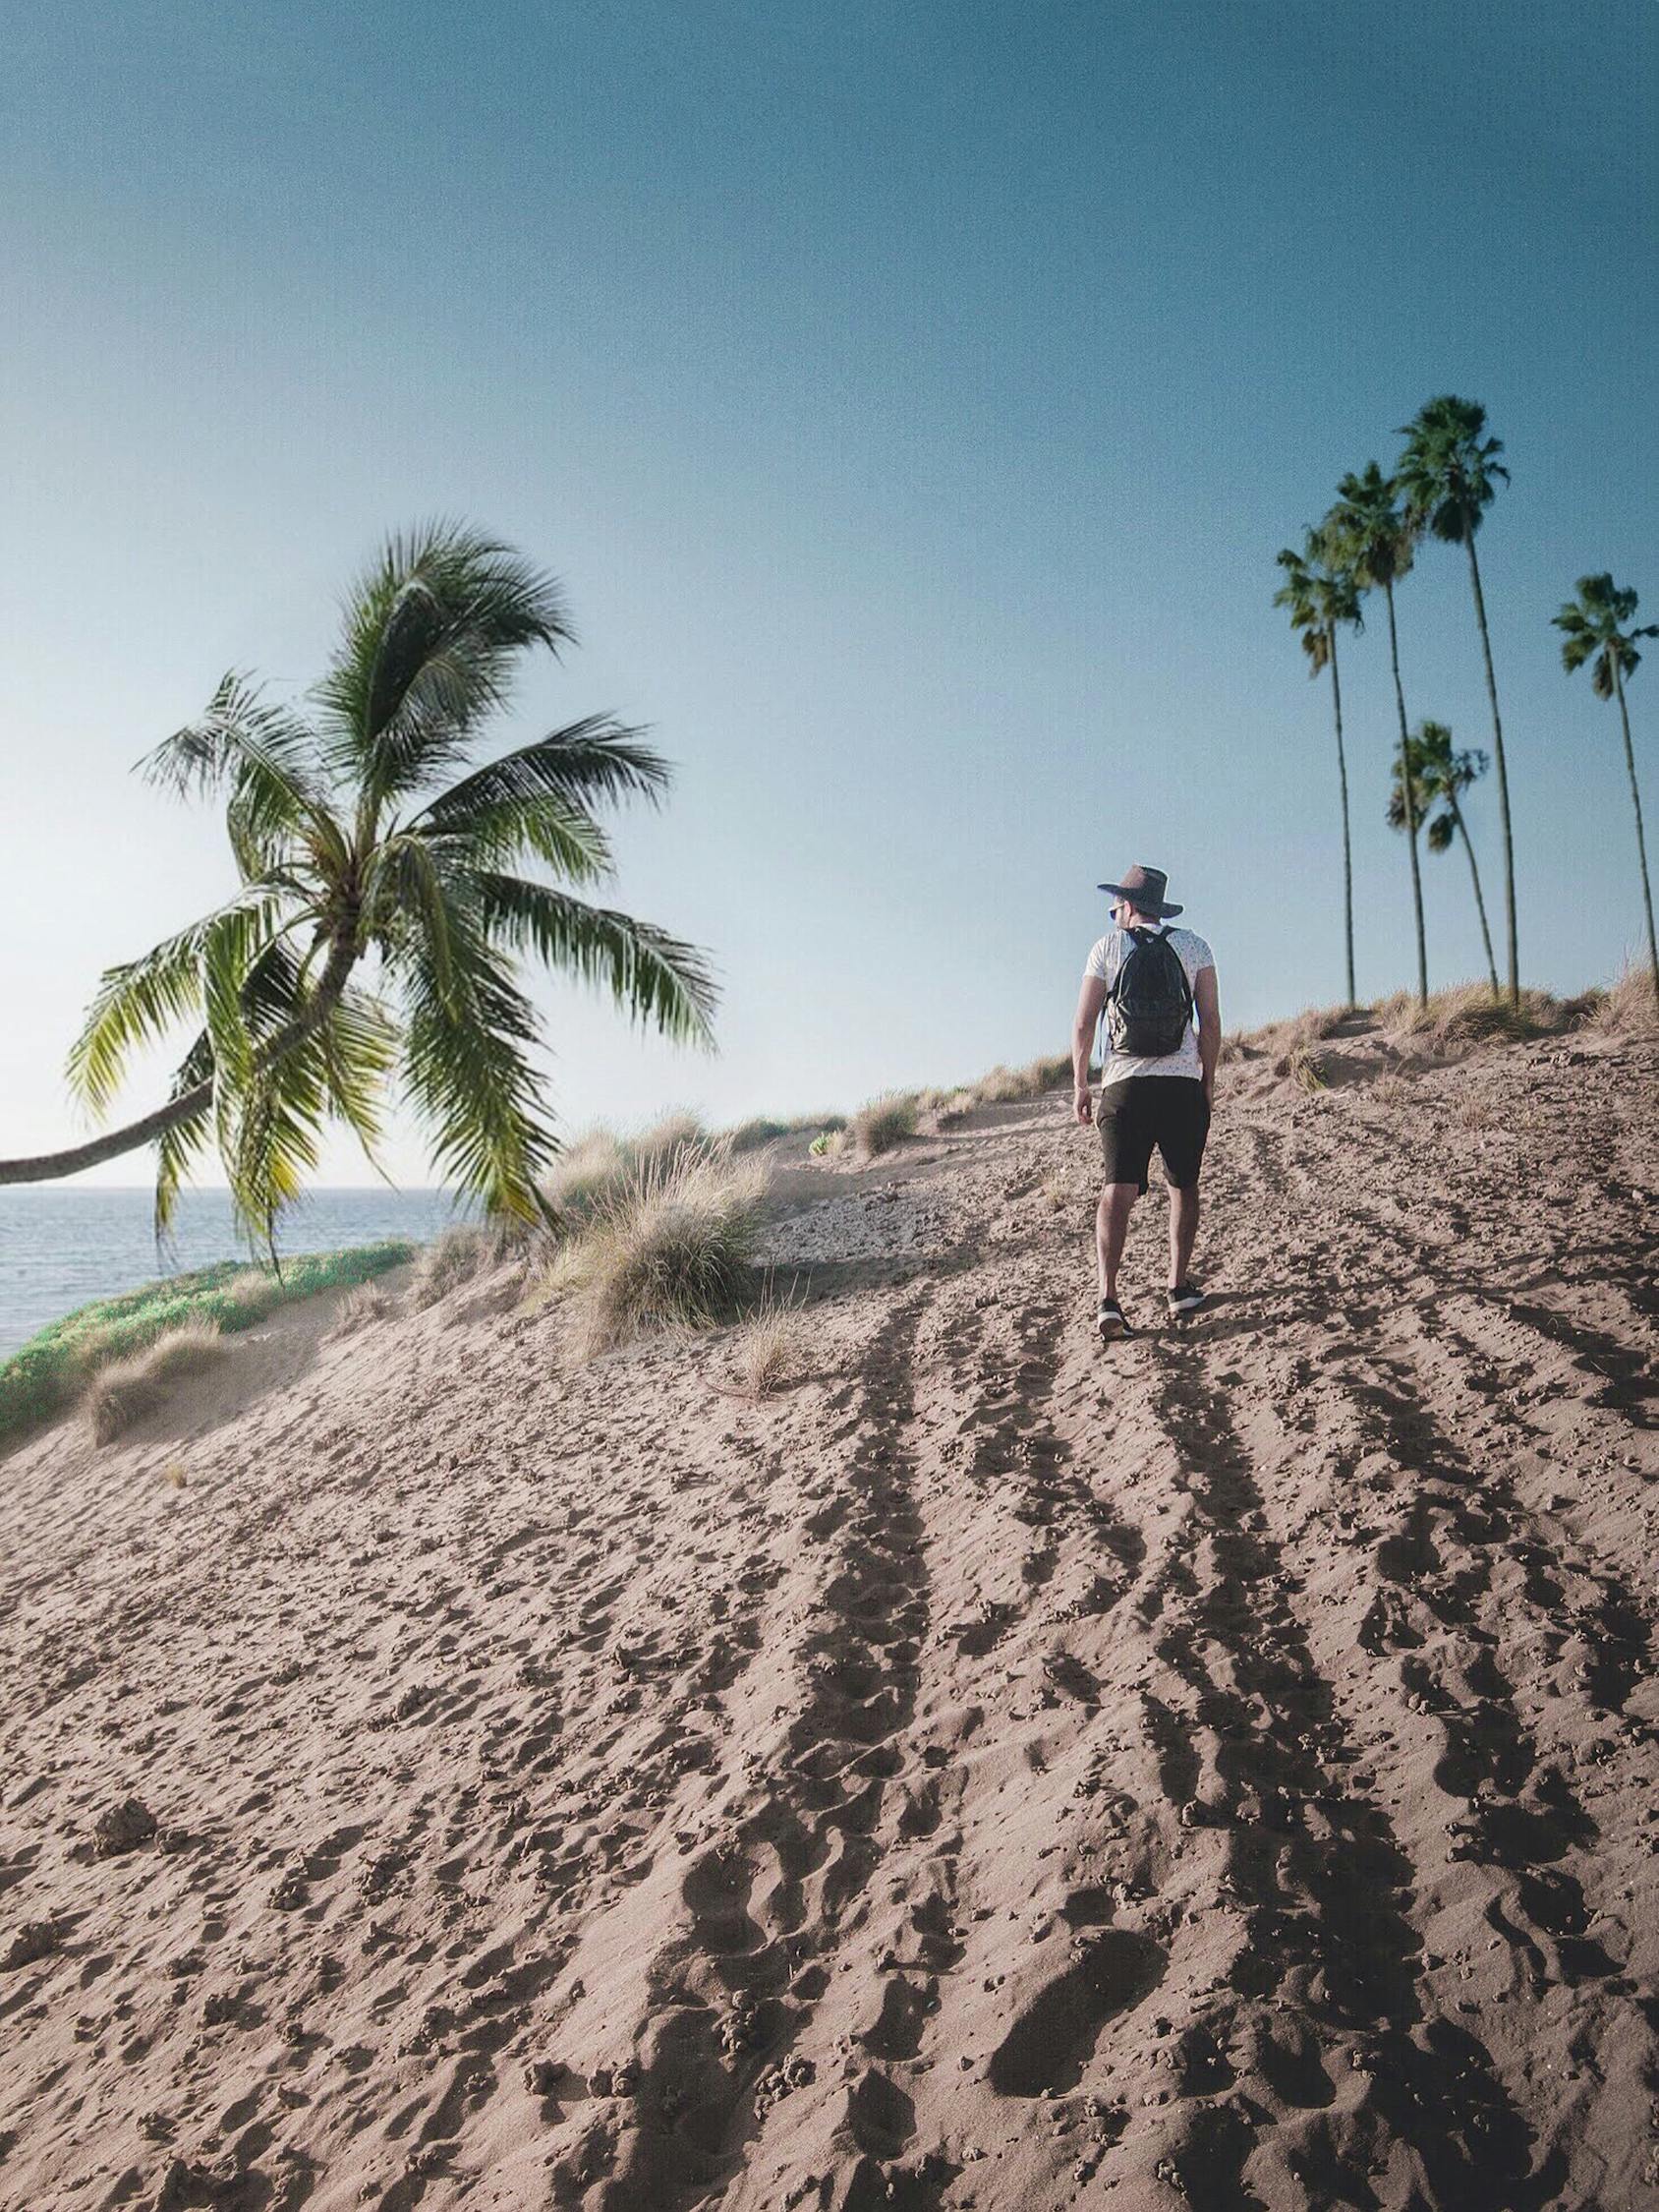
(588, 1174)
(750, 1136)
(939, 1110)
(1467, 1012)
(1306, 1070)
(769, 1349)
(451, 1259)
(884, 1123)
(368, 1303)
(671, 1245)
(126, 1390)
(1056, 1190)
(255, 1293)
(1628, 1009)
(1283, 1041)
(1390, 1089)
(465, 1249)
(1003, 1087)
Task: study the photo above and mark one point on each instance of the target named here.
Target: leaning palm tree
(1439, 778)
(1449, 475)
(1591, 624)
(1369, 535)
(369, 852)
(1321, 595)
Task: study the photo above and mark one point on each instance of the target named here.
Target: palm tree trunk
(1347, 852)
(1411, 808)
(49, 1167)
(1503, 773)
(1480, 902)
(1642, 842)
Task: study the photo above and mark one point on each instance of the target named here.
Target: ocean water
(60, 1247)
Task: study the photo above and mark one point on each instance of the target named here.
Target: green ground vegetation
(48, 1372)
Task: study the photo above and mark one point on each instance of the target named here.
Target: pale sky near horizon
(912, 402)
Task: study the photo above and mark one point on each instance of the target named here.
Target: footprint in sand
(1053, 2038)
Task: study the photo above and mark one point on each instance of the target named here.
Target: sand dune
(990, 1773)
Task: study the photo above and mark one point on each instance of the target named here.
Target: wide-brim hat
(1144, 887)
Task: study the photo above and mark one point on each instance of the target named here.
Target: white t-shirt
(1104, 963)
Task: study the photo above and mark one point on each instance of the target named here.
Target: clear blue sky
(912, 400)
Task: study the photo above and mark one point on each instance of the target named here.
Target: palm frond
(271, 1136)
(180, 1146)
(656, 977)
(138, 1002)
(404, 896)
(1449, 473)
(432, 631)
(467, 1071)
(1367, 530)
(264, 759)
(538, 799)
(360, 1046)
(1591, 625)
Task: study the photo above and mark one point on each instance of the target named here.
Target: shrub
(126, 1390)
(883, 1123)
(671, 1245)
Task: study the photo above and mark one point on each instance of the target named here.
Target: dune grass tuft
(1468, 1014)
(1306, 1070)
(125, 1391)
(1628, 1009)
(670, 1245)
(750, 1136)
(367, 1303)
(599, 1165)
(770, 1348)
(44, 1377)
(884, 1123)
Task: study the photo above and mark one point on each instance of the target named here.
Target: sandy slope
(993, 1773)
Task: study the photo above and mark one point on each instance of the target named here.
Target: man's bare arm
(1090, 1000)
(1209, 1027)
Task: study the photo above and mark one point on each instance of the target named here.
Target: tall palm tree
(1369, 535)
(1591, 624)
(1439, 778)
(1321, 595)
(1449, 475)
(362, 839)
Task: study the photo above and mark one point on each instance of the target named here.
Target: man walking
(1158, 1081)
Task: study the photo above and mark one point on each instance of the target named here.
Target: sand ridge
(992, 1773)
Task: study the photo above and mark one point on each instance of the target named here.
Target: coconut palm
(1320, 596)
(367, 848)
(1591, 624)
(1449, 475)
(1439, 778)
(1369, 535)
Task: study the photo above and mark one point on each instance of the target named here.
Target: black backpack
(1150, 1004)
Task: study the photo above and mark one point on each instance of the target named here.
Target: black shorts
(1168, 1111)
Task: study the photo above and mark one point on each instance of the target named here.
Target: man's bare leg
(1183, 1230)
(1111, 1224)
